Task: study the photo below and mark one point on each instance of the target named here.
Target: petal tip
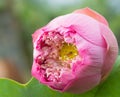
(89, 12)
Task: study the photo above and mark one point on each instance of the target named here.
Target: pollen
(68, 51)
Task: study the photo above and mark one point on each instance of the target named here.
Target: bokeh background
(20, 18)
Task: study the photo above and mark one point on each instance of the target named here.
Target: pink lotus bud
(74, 52)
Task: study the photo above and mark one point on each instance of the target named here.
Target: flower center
(68, 51)
(57, 56)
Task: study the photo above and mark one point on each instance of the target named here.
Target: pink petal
(87, 27)
(83, 84)
(89, 68)
(36, 34)
(35, 70)
(93, 14)
(112, 50)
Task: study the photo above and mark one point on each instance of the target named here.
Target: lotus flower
(74, 52)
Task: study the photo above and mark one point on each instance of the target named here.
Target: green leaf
(10, 88)
(35, 89)
(110, 88)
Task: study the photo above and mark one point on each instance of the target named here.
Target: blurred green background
(20, 18)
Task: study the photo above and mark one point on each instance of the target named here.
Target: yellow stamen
(68, 51)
